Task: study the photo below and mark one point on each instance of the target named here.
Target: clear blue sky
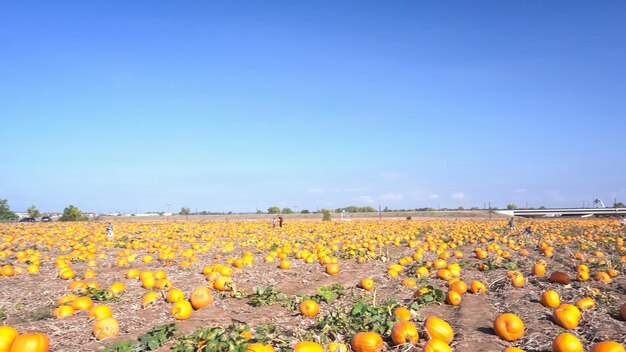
(239, 105)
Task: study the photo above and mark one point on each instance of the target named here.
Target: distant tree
(326, 215)
(511, 206)
(305, 211)
(259, 211)
(474, 208)
(71, 213)
(5, 212)
(273, 210)
(460, 208)
(185, 211)
(619, 205)
(33, 212)
(355, 209)
(287, 211)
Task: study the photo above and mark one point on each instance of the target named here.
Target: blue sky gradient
(242, 105)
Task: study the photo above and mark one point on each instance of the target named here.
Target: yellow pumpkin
(550, 299)
(566, 343)
(181, 310)
(106, 327)
(439, 329)
(567, 316)
(307, 346)
(7, 336)
(585, 303)
(259, 347)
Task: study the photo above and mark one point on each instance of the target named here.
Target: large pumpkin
(404, 332)
(566, 343)
(367, 342)
(567, 316)
(439, 329)
(31, 342)
(607, 346)
(509, 327)
(7, 336)
(201, 297)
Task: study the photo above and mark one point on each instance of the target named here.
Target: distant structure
(565, 212)
(345, 215)
(597, 203)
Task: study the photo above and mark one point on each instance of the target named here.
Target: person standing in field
(512, 224)
(273, 222)
(280, 221)
(110, 233)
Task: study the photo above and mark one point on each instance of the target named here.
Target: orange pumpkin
(30, 342)
(509, 327)
(7, 336)
(367, 284)
(309, 308)
(550, 299)
(459, 287)
(404, 332)
(107, 327)
(539, 269)
(436, 345)
(367, 342)
(602, 277)
(453, 298)
(402, 313)
(513, 349)
(439, 329)
(201, 297)
(607, 346)
(332, 269)
(477, 287)
(566, 343)
(567, 316)
(284, 264)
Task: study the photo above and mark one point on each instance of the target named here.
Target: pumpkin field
(313, 286)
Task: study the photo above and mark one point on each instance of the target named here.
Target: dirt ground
(27, 300)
